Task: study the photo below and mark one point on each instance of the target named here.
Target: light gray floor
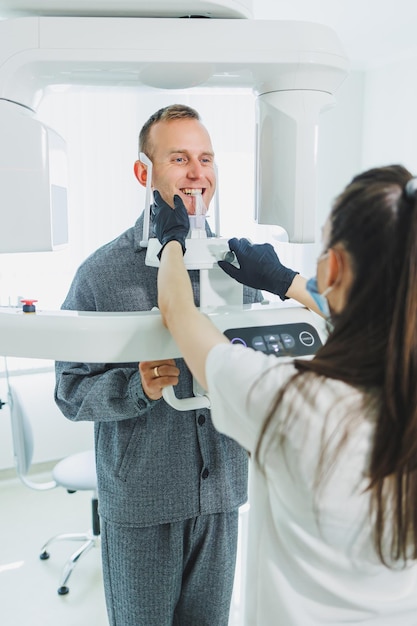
(28, 586)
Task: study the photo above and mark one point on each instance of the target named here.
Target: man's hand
(155, 375)
(170, 224)
(260, 267)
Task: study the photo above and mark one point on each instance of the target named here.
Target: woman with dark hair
(334, 439)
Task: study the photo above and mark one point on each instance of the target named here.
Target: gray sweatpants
(178, 574)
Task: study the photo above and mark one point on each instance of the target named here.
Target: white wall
(340, 143)
(390, 121)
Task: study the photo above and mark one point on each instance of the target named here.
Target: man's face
(183, 161)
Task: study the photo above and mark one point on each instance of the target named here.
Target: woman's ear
(141, 172)
(334, 267)
(339, 277)
(340, 272)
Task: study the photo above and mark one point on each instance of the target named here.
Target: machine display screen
(299, 339)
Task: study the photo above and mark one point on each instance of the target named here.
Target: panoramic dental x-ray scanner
(293, 69)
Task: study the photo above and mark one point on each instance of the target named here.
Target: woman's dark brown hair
(373, 345)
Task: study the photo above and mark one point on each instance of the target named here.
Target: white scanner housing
(128, 8)
(34, 183)
(293, 68)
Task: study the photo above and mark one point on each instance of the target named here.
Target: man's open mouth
(192, 192)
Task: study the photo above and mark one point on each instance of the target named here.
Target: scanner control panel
(299, 339)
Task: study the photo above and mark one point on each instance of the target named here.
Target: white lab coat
(311, 558)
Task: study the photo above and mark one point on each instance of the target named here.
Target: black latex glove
(260, 267)
(170, 224)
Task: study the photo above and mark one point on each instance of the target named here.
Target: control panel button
(306, 338)
(239, 340)
(274, 343)
(288, 340)
(259, 344)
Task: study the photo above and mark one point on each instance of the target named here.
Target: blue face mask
(319, 298)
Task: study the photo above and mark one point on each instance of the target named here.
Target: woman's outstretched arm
(192, 331)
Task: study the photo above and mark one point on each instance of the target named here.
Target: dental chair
(76, 472)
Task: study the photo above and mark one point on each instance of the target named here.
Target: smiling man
(169, 485)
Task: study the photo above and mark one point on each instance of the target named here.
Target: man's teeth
(192, 192)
